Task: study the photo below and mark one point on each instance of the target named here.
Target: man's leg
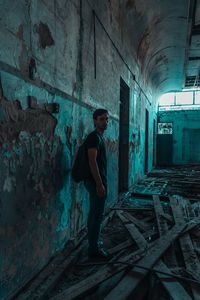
(95, 217)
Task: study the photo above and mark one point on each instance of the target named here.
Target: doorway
(154, 143)
(191, 145)
(124, 136)
(164, 144)
(146, 155)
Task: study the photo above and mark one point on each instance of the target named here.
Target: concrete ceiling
(193, 59)
(165, 34)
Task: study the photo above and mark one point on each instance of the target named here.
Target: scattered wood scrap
(154, 242)
(156, 257)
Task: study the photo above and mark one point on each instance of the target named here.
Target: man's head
(100, 117)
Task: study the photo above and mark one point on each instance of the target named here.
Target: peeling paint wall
(186, 132)
(47, 58)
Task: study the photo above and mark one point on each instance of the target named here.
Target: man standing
(96, 184)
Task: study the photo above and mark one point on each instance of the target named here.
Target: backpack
(80, 168)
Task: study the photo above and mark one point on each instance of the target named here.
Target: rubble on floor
(182, 180)
(153, 237)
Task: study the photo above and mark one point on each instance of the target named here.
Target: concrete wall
(40, 207)
(186, 133)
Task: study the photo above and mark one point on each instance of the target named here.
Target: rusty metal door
(124, 136)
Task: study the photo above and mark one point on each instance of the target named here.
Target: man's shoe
(99, 254)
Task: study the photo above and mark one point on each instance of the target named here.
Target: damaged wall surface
(51, 56)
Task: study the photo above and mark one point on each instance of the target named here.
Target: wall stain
(31, 177)
(13, 120)
(45, 37)
(20, 32)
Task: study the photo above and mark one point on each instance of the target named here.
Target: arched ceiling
(165, 38)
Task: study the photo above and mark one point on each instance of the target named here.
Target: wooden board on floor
(140, 224)
(175, 290)
(134, 232)
(100, 276)
(51, 273)
(189, 254)
(170, 257)
(120, 247)
(131, 280)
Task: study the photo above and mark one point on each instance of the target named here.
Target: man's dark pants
(95, 216)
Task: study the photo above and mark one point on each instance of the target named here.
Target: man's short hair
(99, 112)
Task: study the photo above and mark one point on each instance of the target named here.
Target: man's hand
(101, 192)
(92, 155)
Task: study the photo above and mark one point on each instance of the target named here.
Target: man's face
(102, 121)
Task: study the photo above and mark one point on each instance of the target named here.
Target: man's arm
(92, 156)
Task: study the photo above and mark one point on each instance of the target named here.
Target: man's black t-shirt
(95, 140)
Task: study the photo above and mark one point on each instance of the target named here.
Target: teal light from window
(167, 99)
(180, 100)
(183, 98)
(197, 97)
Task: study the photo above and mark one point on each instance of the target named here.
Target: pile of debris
(154, 243)
(182, 180)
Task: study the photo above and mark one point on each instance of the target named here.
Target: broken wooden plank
(51, 274)
(53, 278)
(108, 218)
(131, 280)
(189, 254)
(170, 257)
(100, 276)
(53, 271)
(189, 213)
(190, 257)
(176, 291)
(162, 225)
(139, 223)
(148, 235)
(134, 232)
(148, 219)
(167, 217)
(120, 247)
